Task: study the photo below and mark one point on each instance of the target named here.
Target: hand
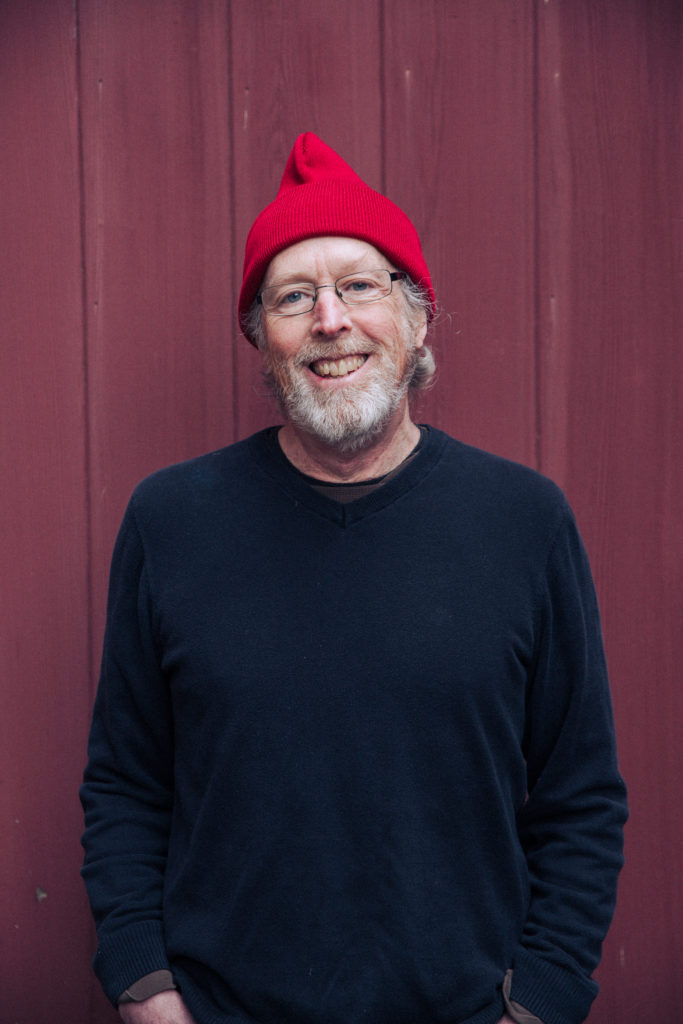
(163, 1008)
(506, 1020)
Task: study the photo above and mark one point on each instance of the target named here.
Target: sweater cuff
(128, 955)
(513, 1009)
(151, 985)
(556, 994)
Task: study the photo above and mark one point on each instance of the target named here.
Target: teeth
(337, 367)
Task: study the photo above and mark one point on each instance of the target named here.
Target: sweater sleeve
(571, 824)
(127, 787)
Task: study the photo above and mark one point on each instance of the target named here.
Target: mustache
(324, 350)
(329, 350)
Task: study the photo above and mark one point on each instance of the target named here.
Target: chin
(346, 418)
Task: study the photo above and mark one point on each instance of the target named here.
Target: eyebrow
(302, 278)
(290, 279)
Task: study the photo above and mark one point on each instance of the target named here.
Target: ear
(420, 333)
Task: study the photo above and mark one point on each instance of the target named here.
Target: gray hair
(420, 307)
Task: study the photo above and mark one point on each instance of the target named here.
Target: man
(352, 757)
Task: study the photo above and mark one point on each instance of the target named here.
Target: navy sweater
(350, 763)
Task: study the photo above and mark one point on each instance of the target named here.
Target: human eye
(361, 287)
(291, 298)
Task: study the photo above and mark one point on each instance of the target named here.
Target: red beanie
(321, 195)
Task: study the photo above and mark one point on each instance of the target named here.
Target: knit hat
(321, 195)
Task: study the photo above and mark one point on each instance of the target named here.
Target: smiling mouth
(337, 367)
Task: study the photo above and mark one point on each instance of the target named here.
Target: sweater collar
(266, 450)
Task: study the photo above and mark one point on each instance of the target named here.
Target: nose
(330, 314)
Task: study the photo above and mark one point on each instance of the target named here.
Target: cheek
(283, 337)
(278, 355)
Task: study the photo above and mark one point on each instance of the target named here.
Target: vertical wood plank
(459, 157)
(314, 68)
(44, 696)
(611, 198)
(156, 177)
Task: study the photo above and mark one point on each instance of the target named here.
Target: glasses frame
(394, 275)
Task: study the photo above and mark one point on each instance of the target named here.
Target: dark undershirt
(346, 493)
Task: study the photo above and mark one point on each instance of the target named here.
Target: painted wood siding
(537, 145)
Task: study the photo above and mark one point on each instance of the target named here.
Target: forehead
(325, 256)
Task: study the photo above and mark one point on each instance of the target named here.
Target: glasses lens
(364, 286)
(288, 299)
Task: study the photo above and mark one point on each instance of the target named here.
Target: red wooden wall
(537, 145)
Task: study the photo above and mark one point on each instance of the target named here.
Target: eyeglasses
(358, 289)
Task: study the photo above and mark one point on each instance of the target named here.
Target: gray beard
(345, 419)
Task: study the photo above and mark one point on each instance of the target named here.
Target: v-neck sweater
(350, 763)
